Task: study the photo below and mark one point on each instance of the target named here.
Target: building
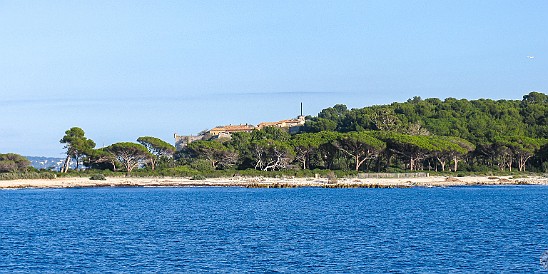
(292, 125)
(183, 141)
(283, 123)
(227, 130)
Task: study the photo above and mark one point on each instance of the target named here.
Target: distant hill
(50, 163)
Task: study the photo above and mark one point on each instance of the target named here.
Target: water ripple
(480, 229)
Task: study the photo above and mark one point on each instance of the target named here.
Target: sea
(493, 229)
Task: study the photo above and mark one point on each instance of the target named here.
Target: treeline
(451, 135)
(447, 136)
(482, 121)
(501, 131)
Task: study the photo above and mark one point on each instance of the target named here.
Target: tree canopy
(130, 155)
(158, 148)
(419, 134)
(77, 145)
(11, 162)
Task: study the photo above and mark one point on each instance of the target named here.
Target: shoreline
(261, 182)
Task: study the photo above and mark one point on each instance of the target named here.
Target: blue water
(461, 229)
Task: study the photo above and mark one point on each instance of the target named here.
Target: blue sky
(124, 69)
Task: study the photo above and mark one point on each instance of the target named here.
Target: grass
(27, 175)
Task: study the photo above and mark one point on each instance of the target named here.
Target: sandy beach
(261, 182)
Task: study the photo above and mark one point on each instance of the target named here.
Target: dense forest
(501, 134)
(421, 134)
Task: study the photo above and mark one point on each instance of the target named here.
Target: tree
(304, 144)
(241, 143)
(466, 147)
(502, 153)
(326, 150)
(130, 155)
(158, 148)
(450, 149)
(11, 162)
(384, 118)
(360, 146)
(77, 145)
(534, 109)
(318, 124)
(271, 154)
(523, 148)
(101, 159)
(412, 148)
(215, 152)
(274, 133)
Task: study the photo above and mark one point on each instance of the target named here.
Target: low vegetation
(98, 177)
(27, 175)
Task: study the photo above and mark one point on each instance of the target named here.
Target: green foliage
(479, 121)
(180, 171)
(360, 146)
(99, 177)
(484, 136)
(318, 124)
(273, 133)
(156, 146)
(130, 155)
(201, 165)
(27, 175)
(268, 154)
(545, 167)
(159, 149)
(198, 177)
(11, 162)
(305, 144)
(101, 159)
(534, 110)
(77, 146)
(218, 155)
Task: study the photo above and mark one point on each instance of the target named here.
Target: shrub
(180, 171)
(331, 177)
(98, 177)
(198, 177)
(26, 175)
(201, 165)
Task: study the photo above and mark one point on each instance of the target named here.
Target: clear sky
(125, 69)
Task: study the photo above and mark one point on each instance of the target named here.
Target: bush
(198, 177)
(98, 177)
(201, 165)
(26, 175)
(180, 171)
(331, 177)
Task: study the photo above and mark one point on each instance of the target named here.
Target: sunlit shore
(260, 182)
